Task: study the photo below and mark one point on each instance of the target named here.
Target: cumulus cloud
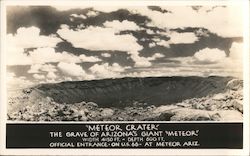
(27, 38)
(38, 76)
(225, 21)
(150, 32)
(38, 68)
(145, 61)
(155, 56)
(51, 75)
(30, 38)
(16, 56)
(71, 69)
(48, 68)
(163, 43)
(152, 44)
(92, 13)
(34, 68)
(14, 82)
(106, 55)
(208, 55)
(105, 70)
(44, 52)
(177, 38)
(236, 51)
(44, 55)
(141, 61)
(98, 38)
(186, 67)
(85, 58)
(235, 59)
(38, 71)
(78, 16)
(207, 62)
(68, 79)
(120, 26)
(160, 42)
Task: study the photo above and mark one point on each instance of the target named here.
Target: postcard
(124, 77)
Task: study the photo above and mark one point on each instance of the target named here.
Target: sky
(49, 44)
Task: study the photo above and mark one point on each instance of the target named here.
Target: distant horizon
(12, 88)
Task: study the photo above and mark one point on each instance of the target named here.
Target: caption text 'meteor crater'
(130, 135)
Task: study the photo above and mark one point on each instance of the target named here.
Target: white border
(246, 75)
(104, 3)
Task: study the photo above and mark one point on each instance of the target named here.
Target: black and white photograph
(133, 63)
(124, 77)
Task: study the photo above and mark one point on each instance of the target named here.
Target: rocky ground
(227, 106)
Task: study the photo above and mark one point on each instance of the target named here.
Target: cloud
(30, 38)
(106, 9)
(155, 56)
(141, 61)
(160, 42)
(152, 44)
(207, 62)
(121, 26)
(186, 38)
(145, 61)
(208, 55)
(98, 38)
(235, 60)
(35, 68)
(185, 68)
(48, 68)
(78, 16)
(41, 56)
(224, 21)
(38, 76)
(150, 32)
(106, 55)
(16, 56)
(44, 52)
(71, 69)
(236, 51)
(51, 75)
(165, 70)
(14, 82)
(92, 13)
(163, 43)
(68, 79)
(38, 68)
(85, 58)
(106, 71)
(68, 7)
